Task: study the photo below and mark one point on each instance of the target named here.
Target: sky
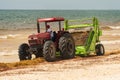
(60, 4)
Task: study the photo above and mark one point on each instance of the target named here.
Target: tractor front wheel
(99, 50)
(49, 51)
(24, 53)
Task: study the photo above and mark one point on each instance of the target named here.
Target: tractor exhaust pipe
(38, 27)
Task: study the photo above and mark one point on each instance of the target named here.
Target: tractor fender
(64, 33)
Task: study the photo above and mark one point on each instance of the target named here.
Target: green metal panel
(93, 37)
(81, 50)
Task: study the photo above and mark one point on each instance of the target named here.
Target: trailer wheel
(49, 51)
(67, 46)
(24, 54)
(99, 48)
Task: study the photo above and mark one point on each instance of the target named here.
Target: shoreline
(11, 39)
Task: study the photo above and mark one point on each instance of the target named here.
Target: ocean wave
(111, 42)
(7, 53)
(114, 27)
(9, 36)
(115, 34)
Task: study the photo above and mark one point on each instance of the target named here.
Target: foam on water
(9, 36)
(114, 27)
(115, 34)
(4, 53)
(111, 42)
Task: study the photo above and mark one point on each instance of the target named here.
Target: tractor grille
(33, 42)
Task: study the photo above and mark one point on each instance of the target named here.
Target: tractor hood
(39, 36)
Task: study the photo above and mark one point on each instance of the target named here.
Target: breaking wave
(111, 42)
(9, 36)
(114, 27)
(7, 53)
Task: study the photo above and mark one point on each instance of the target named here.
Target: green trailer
(90, 43)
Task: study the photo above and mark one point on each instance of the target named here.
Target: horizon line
(59, 9)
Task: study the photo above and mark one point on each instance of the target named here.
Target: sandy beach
(105, 67)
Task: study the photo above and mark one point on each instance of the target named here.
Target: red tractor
(44, 45)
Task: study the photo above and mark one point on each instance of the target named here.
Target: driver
(48, 28)
(50, 31)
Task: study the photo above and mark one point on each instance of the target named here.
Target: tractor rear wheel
(67, 46)
(99, 48)
(49, 51)
(24, 54)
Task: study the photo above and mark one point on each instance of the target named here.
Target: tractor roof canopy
(51, 19)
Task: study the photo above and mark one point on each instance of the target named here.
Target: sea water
(14, 19)
(19, 19)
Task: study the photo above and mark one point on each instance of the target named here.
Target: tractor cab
(47, 29)
(47, 21)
